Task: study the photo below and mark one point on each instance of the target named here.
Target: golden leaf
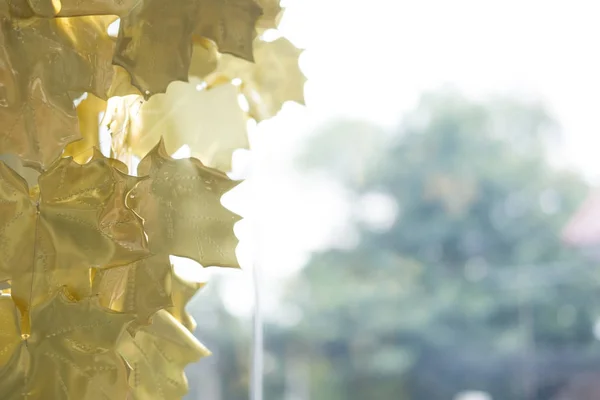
(70, 353)
(155, 38)
(272, 13)
(140, 288)
(155, 43)
(84, 205)
(120, 117)
(182, 212)
(45, 8)
(33, 283)
(16, 8)
(14, 358)
(210, 122)
(88, 113)
(42, 63)
(17, 224)
(16, 164)
(273, 79)
(116, 164)
(78, 220)
(158, 355)
(71, 8)
(121, 84)
(183, 291)
(204, 58)
(5, 287)
(230, 24)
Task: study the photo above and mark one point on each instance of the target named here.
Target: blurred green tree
(468, 286)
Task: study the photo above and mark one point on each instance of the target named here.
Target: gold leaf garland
(70, 351)
(230, 24)
(89, 308)
(271, 80)
(75, 219)
(88, 114)
(166, 340)
(183, 291)
(180, 203)
(209, 121)
(272, 14)
(142, 287)
(155, 43)
(44, 65)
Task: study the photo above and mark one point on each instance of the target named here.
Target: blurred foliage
(470, 288)
(225, 374)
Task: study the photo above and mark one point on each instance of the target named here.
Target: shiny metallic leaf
(272, 13)
(44, 65)
(88, 113)
(77, 219)
(183, 291)
(140, 288)
(70, 351)
(271, 80)
(70, 8)
(181, 207)
(155, 38)
(157, 356)
(155, 43)
(210, 122)
(230, 24)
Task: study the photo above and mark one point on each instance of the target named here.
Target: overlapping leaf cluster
(90, 307)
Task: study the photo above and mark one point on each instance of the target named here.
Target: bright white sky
(373, 59)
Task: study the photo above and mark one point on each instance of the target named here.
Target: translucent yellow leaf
(120, 117)
(88, 114)
(16, 164)
(272, 13)
(14, 358)
(155, 43)
(140, 288)
(274, 78)
(70, 8)
(45, 8)
(157, 356)
(70, 352)
(44, 64)
(155, 38)
(230, 24)
(16, 8)
(204, 58)
(121, 84)
(17, 223)
(183, 291)
(75, 220)
(182, 212)
(210, 122)
(203, 63)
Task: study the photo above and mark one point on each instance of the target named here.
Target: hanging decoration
(90, 305)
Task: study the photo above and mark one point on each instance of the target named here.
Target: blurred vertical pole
(257, 363)
(256, 387)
